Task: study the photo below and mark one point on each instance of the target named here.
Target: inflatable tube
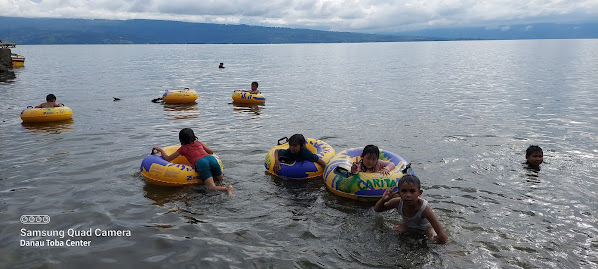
(50, 114)
(178, 172)
(240, 97)
(179, 96)
(17, 60)
(362, 186)
(300, 169)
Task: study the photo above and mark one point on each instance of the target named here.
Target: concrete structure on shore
(6, 72)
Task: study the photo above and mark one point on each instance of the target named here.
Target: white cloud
(338, 15)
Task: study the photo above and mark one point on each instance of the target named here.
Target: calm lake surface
(462, 112)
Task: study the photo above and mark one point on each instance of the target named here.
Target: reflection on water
(247, 108)
(162, 195)
(50, 128)
(181, 111)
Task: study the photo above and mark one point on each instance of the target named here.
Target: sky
(366, 16)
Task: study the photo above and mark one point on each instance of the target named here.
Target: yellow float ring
(240, 97)
(362, 186)
(49, 114)
(17, 60)
(178, 172)
(179, 96)
(300, 169)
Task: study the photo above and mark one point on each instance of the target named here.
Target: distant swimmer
(116, 99)
(221, 65)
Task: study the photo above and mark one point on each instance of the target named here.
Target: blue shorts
(207, 167)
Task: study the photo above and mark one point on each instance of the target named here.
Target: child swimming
(370, 162)
(50, 102)
(416, 213)
(534, 157)
(200, 157)
(296, 152)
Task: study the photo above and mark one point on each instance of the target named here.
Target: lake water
(462, 112)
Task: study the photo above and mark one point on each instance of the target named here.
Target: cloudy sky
(372, 16)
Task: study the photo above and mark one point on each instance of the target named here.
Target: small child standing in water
(416, 213)
(370, 162)
(534, 156)
(200, 157)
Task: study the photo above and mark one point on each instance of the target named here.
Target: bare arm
(276, 166)
(441, 236)
(387, 166)
(207, 149)
(386, 202)
(166, 156)
(321, 163)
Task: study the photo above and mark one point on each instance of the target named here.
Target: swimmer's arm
(440, 237)
(387, 167)
(321, 162)
(387, 202)
(207, 149)
(276, 166)
(39, 106)
(166, 156)
(390, 166)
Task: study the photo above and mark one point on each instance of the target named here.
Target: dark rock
(6, 72)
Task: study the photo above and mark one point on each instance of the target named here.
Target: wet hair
(254, 83)
(532, 149)
(50, 98)
(297, 139)
(186, 136)
(370, 149)
(410, 179)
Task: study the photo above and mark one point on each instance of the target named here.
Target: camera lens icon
(35, 219)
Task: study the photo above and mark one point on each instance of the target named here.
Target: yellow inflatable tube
(178, 172)
(179, 96)
(240, 97)
(50, 114)
(362, 186)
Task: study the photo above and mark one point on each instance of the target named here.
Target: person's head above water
(369, 156)
(187, 136)
(50, 98)
(534, 156)
(297, 143)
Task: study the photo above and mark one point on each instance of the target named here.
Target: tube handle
(406, 168)
(344, 172)
(284, 138)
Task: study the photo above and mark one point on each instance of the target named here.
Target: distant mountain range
(82, 31)
(34, 31)
(519, 31)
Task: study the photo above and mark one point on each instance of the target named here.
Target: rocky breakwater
(6, 72)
